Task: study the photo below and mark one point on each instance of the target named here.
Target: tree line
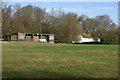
(65, 26)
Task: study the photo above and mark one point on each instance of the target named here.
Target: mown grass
(44, 60)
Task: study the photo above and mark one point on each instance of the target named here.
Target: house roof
(42, 34)
(86, 35)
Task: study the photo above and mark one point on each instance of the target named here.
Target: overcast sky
(91, 9)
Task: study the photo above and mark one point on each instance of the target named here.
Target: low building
(18, 37)
(44, 37)
(30, 37)
(14, 37)
(7, 38)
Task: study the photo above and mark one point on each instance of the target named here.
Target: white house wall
(86, 40)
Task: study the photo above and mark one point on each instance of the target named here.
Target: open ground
(45, 60)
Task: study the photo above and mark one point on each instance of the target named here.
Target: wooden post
(33, 37)
(41, 36)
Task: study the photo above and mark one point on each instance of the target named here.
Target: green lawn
(44, 60)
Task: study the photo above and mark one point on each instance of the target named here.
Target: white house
(83, 39)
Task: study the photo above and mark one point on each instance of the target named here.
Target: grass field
(44, 60)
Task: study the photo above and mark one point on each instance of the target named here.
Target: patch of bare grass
(105, 52)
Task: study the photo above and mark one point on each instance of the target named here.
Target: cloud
(74, 10)
(105, 8)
